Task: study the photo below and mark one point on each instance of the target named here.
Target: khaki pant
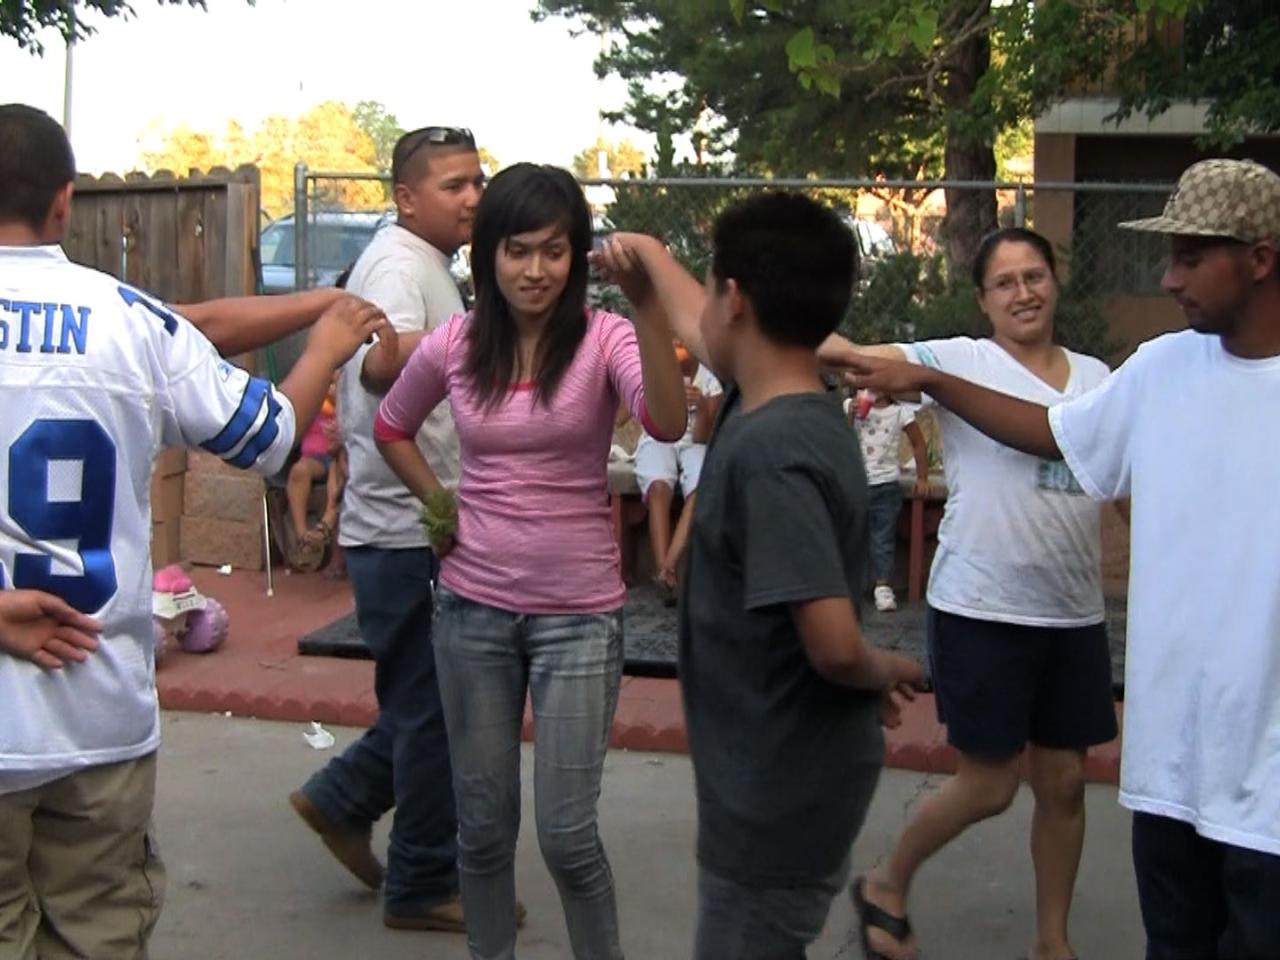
(80, 875)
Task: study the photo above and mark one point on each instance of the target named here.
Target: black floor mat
(339, 639)
(650, 635)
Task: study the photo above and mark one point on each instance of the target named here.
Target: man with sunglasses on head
(403, 760)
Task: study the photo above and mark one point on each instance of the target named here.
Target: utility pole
(66, 82)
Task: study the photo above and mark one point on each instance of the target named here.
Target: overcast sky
(527, 90)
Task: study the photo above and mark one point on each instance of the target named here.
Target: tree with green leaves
(22, 20)
(382, 128)
(1228, 58)
(326, 137)
(904, 88)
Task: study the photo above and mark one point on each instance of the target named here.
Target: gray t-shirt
(778, 751)
(410, 280)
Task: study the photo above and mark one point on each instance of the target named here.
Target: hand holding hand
(346, 324)
(866, 372)
(45, 629)
(892, 704)
(618, 260)
(910, 680)
(382, 363)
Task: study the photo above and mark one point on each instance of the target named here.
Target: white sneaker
(885, 600)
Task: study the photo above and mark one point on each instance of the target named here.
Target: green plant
(440, 517)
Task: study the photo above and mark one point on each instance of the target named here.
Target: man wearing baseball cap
(1187, 427)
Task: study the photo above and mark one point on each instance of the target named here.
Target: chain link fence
(904, 290)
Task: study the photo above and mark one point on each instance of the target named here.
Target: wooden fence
(183, 239)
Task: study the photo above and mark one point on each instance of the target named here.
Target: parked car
(874, 242)
(335, 238)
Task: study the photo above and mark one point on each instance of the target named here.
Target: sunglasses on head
(438, 136)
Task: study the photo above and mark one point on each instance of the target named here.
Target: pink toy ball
(206, 629)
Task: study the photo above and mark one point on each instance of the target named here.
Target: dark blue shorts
(1000, 686)
(1202, 898)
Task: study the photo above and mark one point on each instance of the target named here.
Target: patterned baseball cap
(1221, 198)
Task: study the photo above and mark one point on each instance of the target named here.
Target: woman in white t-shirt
(1017, 641)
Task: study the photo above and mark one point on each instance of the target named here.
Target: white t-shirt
(1019, 540)
(880, 436)
(1189, 431)
(95, 379)
(410, 280)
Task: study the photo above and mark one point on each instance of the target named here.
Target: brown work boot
(446, 917)
(351, 847)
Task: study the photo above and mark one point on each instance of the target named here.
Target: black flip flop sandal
(869, 915)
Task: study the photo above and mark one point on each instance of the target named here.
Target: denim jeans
(884, 503)
(571, 666)
(737, 922)
(402, 761)
(1202, 899)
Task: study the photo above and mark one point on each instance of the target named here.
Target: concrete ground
(248, 881)
(259, 673)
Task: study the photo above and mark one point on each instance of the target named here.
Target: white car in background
(874, 242)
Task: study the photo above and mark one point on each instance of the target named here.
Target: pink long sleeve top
(534, 530)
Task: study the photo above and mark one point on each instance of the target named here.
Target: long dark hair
(521, 199)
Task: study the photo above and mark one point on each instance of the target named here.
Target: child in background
(880, 421)
(320, 447)
(660, 465)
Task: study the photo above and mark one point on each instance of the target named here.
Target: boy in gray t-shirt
(783, 697)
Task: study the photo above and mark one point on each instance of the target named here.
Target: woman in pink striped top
(530, 597)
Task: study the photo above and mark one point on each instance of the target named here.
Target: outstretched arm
(837, 352)
(341, 330)
(643, 267)
(682, 297)
(379, 369)
(240, 324)
(664, 390)
(1013, 422)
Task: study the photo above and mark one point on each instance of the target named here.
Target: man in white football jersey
(95, 378)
